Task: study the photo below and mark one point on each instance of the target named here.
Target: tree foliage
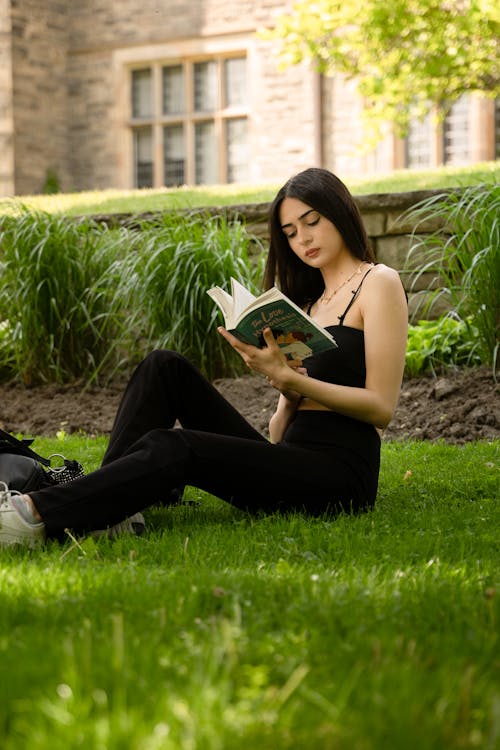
(409, 57)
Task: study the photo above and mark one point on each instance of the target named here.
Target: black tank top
(346, 364)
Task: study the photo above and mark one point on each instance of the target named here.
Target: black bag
(22, 469)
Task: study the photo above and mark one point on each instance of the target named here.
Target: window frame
(190, 117)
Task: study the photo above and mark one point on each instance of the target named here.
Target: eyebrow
(302, 216)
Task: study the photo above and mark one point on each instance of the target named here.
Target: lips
(312, 252)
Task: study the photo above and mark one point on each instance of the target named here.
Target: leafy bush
(436, 344)
(466, 254)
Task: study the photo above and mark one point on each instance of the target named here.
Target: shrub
(466, 253)
(434, 345)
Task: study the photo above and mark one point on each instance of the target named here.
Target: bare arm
(284, 414)
(385, 317)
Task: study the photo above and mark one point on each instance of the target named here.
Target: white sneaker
(14, 529)
(133, 525)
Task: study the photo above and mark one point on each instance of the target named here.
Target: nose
(304, 235)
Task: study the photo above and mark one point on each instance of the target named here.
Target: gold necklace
(325, 300)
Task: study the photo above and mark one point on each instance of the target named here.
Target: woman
(325, 448)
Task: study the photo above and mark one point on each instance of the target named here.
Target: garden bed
(460, 406)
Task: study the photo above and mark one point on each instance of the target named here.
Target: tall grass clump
(465, 254)
(61, 300)
(78, 299)
(178, 260)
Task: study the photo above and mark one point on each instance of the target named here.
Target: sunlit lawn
(134, 201)
(216, 630)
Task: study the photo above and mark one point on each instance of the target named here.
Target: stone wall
(39, 92)
(6, 108)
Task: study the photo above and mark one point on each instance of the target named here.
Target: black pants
(216, 450)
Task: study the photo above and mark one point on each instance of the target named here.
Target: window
(141, 93)
(143, 157)
(205, 153)
(456, 133)
(205, 86)
(235, 81)
(173, 90)
(419, 143)
(174, 163)
(236, 144)
(189, 122)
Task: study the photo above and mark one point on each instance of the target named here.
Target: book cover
(246, 316)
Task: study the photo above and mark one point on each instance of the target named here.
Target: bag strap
(10, 444)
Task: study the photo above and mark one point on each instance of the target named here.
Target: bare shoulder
(383, 275)
(384, 288)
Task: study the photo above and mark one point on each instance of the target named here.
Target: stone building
(103, 94)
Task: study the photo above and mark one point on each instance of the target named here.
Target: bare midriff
(309, 404)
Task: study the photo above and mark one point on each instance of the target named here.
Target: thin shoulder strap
(355, 293)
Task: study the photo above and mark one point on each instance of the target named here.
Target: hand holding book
(246, 316)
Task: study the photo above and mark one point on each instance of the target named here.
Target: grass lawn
(217, 630)
(136, 201)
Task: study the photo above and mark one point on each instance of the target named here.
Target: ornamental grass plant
(81, 301)
(177, 260)
(465, 254)
(61, 302)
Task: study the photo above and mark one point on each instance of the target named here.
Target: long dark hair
(328, 195)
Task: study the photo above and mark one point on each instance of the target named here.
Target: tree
(409, 57)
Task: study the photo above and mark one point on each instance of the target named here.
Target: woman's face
(312, 237)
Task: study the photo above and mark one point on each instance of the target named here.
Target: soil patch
(460, 406)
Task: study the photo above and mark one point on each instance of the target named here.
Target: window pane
(173, 90)
(237, 152)
(142, 100)
(205, 86)
(235, 81)
(174, 156)
(206, 156)
(143, 158)
(419, 143)
(456, 133)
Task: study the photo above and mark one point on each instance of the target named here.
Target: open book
(246, 316)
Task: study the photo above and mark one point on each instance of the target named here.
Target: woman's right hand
(292, 396)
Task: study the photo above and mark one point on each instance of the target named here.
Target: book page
(242, 298)
(225, 303)
(271, 295)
